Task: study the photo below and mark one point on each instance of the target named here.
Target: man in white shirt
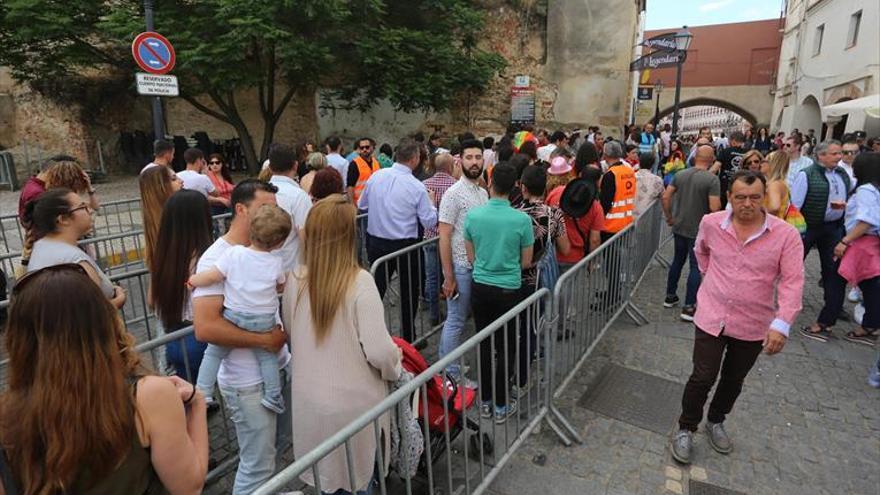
(194, 180)
(558, 139)
(850, 151)
(797, 162)
(260, 432)
(163, 155)
(335, 158)
(291, 198)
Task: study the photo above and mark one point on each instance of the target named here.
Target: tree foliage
(419, 54)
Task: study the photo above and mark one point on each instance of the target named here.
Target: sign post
(155, 55)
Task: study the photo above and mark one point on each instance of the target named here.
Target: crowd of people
(282, 292)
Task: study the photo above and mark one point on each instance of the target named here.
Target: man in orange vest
(361, 168)
(617, 196)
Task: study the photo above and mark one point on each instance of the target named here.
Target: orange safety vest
(364, 173)
(622, 207)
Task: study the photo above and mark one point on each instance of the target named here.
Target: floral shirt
(547, 225)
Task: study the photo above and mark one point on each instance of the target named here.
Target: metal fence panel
(463, 451)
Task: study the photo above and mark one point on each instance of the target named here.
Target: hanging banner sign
(658, 60)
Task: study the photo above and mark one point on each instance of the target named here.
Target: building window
(817, 39)
(855, 21)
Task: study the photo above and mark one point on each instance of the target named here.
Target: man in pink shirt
(741, 254)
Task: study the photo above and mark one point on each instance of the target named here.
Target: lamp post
(158, 118)
(658, 87)
(682, 42)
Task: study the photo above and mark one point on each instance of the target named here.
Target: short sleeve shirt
(454, 207)
(48, 252)
(252, 278)
(693, 186)
(594, 219)
(864, 206)
(547, 225)
(195, 181)
(731, 163)
(499, 234)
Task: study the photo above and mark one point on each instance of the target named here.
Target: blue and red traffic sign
(153, 53)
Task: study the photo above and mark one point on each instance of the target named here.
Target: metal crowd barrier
(401, 277)
(591, 296)
(463, 453)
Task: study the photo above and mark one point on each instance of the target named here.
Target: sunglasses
(364, 147)
(753, 162)
(850, 152)
(215, 162)
(64, 267)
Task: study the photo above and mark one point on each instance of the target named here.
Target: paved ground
(806, 422)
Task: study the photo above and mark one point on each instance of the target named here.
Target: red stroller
(457, 400)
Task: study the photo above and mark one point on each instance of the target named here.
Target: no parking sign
(153, 53)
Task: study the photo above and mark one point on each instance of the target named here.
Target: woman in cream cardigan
(342, 354)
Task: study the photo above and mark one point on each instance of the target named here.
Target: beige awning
(867, 105)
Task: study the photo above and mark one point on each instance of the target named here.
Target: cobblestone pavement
(805, 423)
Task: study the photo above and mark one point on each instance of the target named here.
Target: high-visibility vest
(623, 206)
(364, 173)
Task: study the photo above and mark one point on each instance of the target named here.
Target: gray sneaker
(718, 438)
(682, 445)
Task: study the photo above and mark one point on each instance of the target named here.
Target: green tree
(419, 54)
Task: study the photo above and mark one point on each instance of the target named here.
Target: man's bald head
(702, 141)
(444, 162)
(705, 156)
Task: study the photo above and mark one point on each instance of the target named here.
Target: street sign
(522, 105)
(666, 41)
(153, 53)
(658, 60)
(157, 85)
(646, 92)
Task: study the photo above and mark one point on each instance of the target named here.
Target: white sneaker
(855, 295)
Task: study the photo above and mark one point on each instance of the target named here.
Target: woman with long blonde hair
(775, 170)
(80, 414)
(157, 184)
(334, 306)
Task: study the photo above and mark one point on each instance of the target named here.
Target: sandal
(867, 338)
(821, 335)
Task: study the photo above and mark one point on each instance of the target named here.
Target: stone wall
(576, 54)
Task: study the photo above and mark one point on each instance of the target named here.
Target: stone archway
(809, 115)
(712, 102)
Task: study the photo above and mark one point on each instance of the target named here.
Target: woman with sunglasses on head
(219, 174)
(81, 415)
(59, 218)
(778, 197)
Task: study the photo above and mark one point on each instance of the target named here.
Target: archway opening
(838, 127)
(722, 120)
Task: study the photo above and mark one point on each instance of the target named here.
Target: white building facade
(830, 53)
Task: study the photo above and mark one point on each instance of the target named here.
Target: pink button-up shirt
(737, 293)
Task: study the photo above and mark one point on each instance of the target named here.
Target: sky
(676, 13)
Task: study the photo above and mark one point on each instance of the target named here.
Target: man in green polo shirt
(498, 240)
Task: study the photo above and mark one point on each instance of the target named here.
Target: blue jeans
(432, 280)
(214, 354)
(684, 250)
(186, 364)
(262, 435)
(456, 314)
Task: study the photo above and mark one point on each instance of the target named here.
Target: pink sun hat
(559, 166)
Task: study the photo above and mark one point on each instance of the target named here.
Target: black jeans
(614, 266)
(825, 237)
(505, 345)
(410, 271)
(871, 301)
(734, 358)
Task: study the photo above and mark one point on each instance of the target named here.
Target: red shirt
(31, 190)
(740, 278)
(594, 219)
